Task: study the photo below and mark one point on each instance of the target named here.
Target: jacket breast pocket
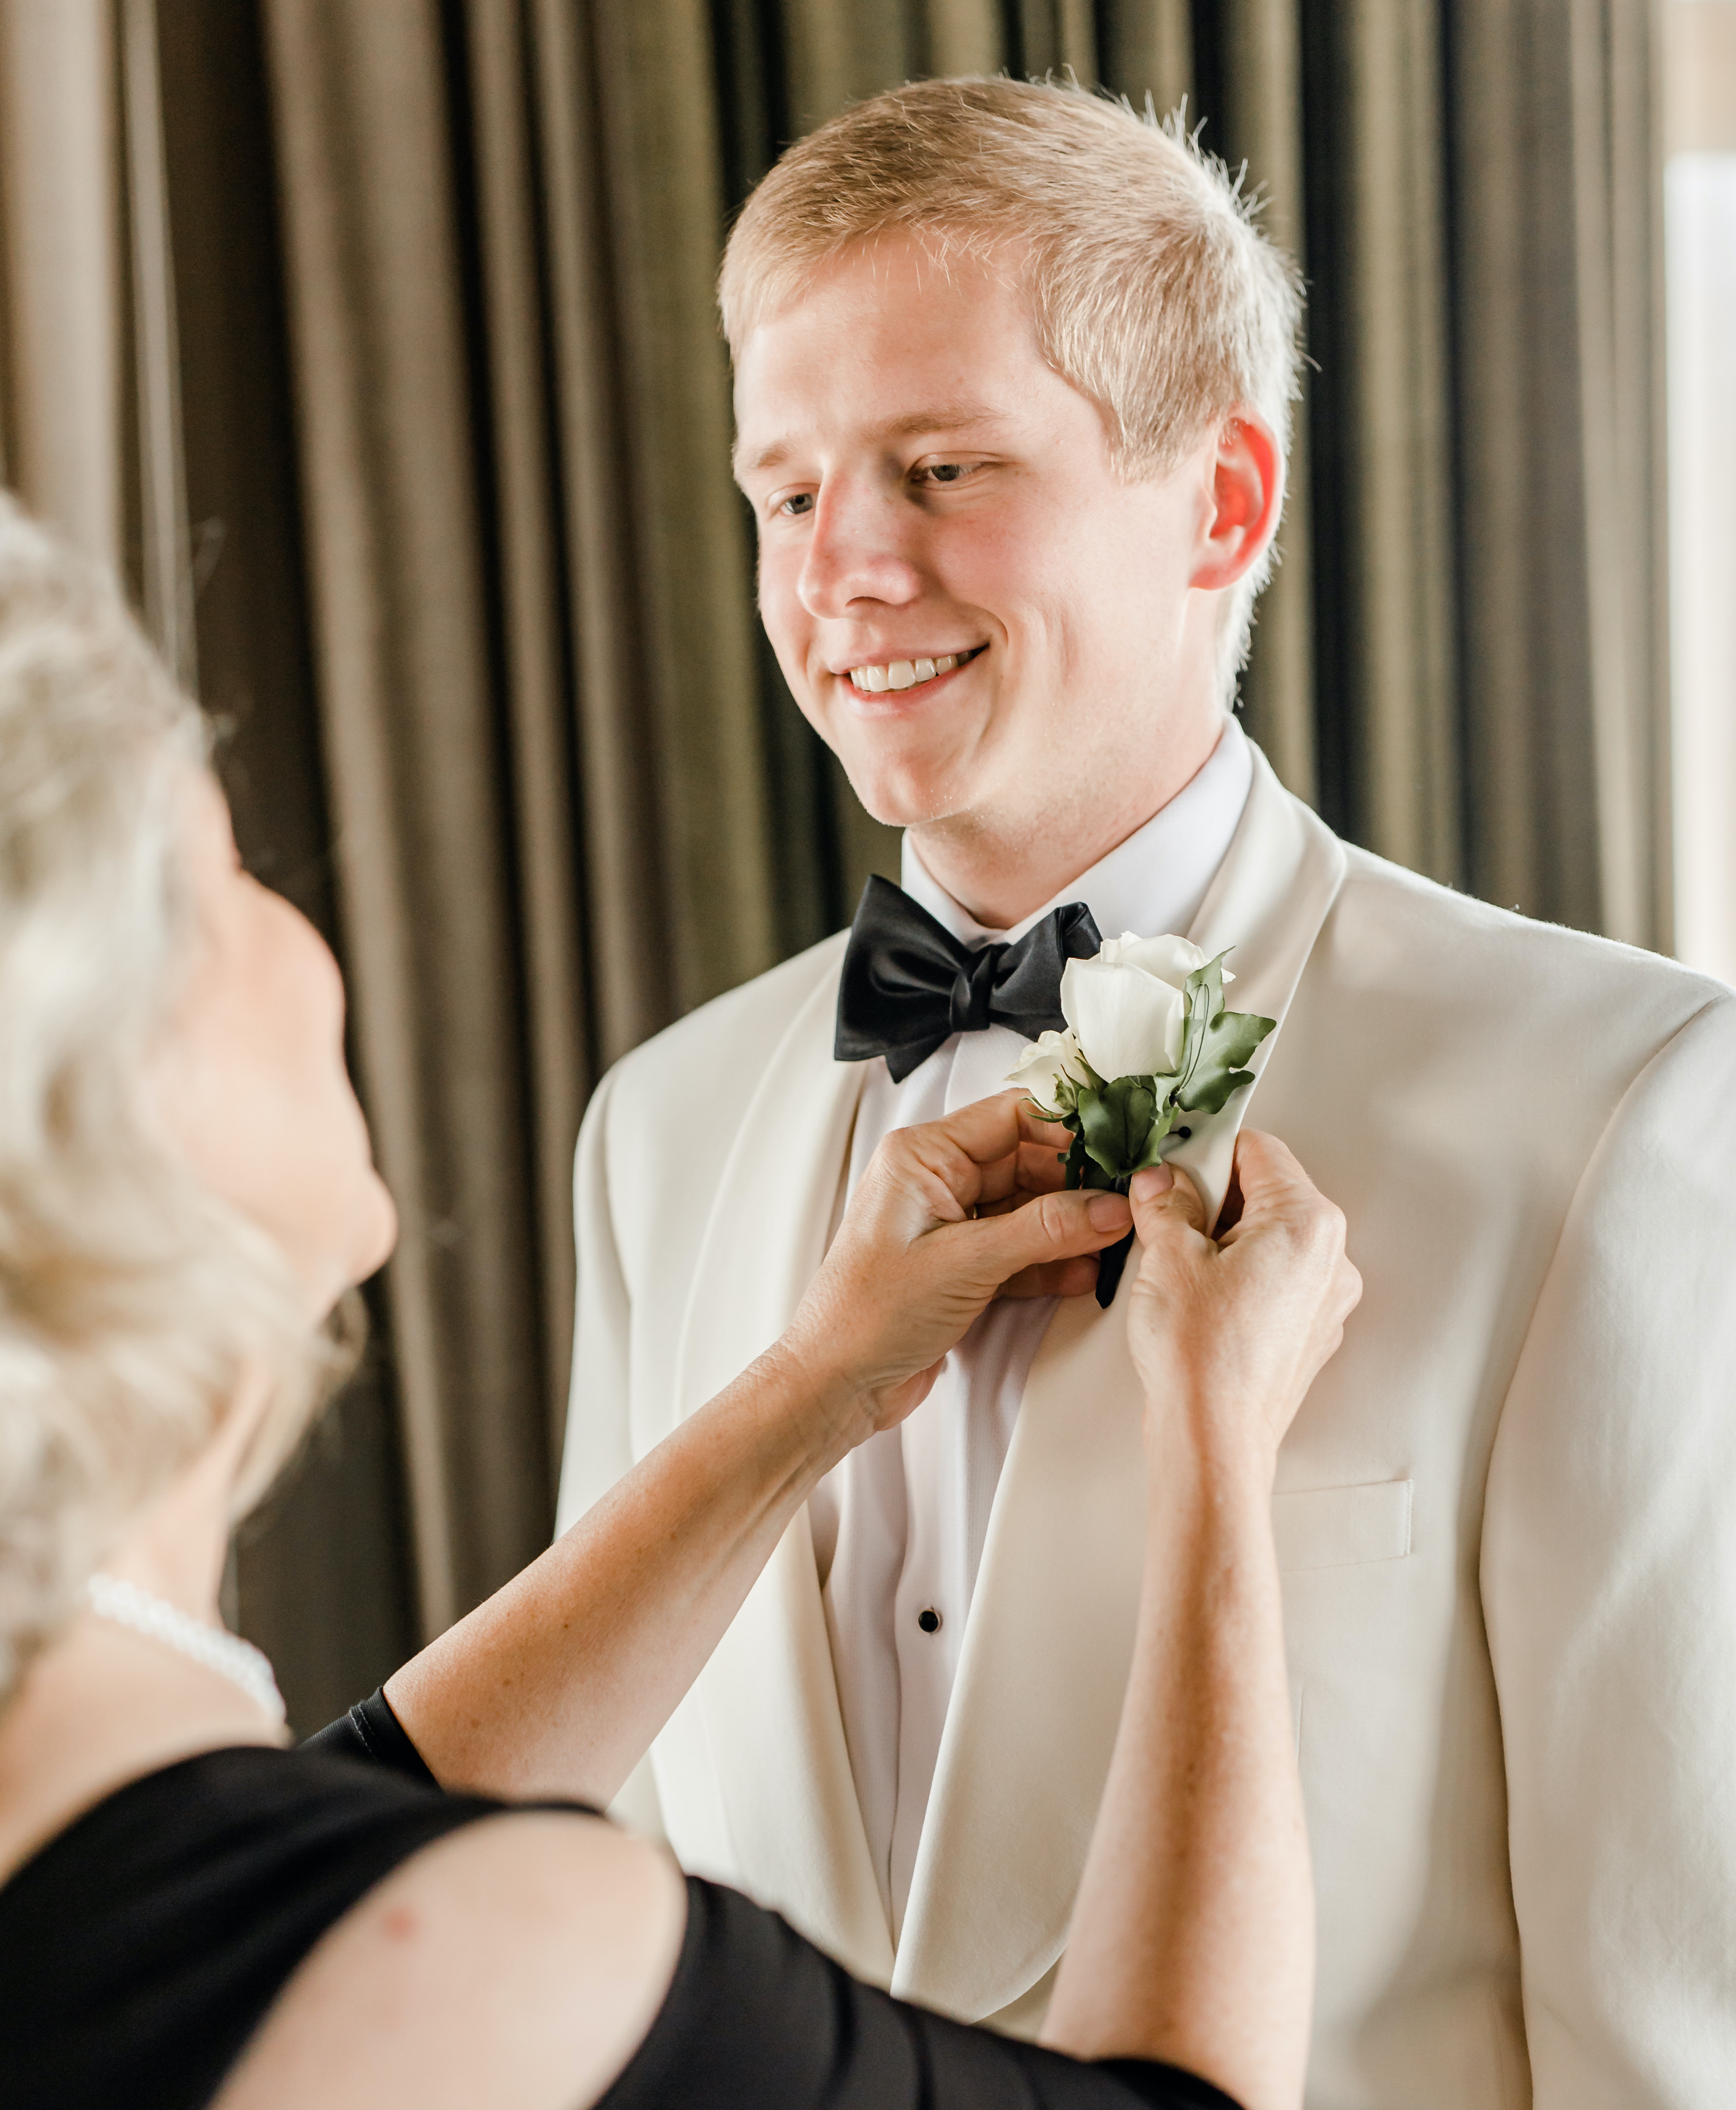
(1342, 1526)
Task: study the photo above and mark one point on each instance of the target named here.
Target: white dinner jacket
(1506, 1515)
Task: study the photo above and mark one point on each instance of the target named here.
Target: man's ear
(1244, 498)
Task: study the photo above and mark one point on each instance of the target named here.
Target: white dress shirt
(898, 1526)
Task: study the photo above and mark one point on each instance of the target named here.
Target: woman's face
(248, 1079)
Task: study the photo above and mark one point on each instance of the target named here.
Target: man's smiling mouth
(876, 680)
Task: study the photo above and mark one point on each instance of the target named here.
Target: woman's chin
(373, 1233)
(379, 1234)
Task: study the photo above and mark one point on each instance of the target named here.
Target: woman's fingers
(984, 1155)
(1166, 1203)
(1011, 1183)
(995, 1127)
(911, 1268)
(1045, 1234)
(1239, 1326)
(1347, 1292)
(1060, 1278)
(1274, 1187)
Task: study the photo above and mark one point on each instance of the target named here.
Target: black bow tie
(908, 984)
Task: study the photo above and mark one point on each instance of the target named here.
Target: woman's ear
(1245, 495)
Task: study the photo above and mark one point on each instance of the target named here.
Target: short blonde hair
(1155, 294)
(135, 1307)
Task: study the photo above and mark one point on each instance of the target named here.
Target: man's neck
(1001, 871)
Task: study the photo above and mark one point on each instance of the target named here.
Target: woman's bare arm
(557, 1684)
(1192, 1936)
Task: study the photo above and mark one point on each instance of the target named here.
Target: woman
(191, 1914)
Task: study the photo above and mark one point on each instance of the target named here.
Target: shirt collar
(1154, 883)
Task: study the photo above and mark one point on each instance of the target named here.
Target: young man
(1013, 373)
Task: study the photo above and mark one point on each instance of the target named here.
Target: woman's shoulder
(200, 1911)
(518, 1961)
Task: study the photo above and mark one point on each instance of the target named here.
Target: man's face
(929, 491)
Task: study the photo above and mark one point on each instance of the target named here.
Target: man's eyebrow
(949, 417)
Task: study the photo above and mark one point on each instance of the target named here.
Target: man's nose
(858, 550)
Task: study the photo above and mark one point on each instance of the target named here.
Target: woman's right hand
(1192, 1934)
(1228, 1334)
(948, 1215)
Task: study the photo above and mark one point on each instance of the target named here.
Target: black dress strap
(371, 1735)
(371, 1732)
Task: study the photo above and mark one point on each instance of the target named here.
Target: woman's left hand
(948, 1216)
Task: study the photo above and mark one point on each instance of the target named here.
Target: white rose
(1044, 1063)
(1127, 1006)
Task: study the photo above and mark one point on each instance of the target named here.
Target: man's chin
(905, 812)
(908, 797)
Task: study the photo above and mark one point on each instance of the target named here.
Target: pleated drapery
(90, 431)
(1482, 233)
(394, 317)
(1555, 175)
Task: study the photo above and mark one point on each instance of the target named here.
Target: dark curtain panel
(322, 1578)
(382, 359)
(1480, 206)
(1554, 163)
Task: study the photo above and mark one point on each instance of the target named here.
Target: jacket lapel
(1272, 893)
(1045, 1656)
(767, 1699)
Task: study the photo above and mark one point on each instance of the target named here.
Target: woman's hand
(1192, 1936)
(948, 1216)
(1230, 1335)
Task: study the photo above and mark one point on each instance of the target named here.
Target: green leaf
(1158, 1137)
(1116, 1122)
(1082, 1170)
(1204, 990)
(1217, 1070)
(1209, 979)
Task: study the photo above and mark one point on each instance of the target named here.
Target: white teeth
(902, 674)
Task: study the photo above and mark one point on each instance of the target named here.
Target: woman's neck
(102, 1705)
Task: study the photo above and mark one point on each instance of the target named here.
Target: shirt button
(929, 1620)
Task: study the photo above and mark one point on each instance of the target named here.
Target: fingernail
(1108, 1212)
(1154, 1181)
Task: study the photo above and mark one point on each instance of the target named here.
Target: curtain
(145, 411)
(89, 407)
(1482, 215)
(373, 340)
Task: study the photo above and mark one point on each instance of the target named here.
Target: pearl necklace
(125, 1604)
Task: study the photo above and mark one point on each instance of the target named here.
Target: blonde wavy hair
(135, 1307)
(1154, 292)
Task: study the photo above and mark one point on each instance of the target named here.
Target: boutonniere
(1148, 1052)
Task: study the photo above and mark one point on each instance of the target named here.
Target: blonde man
(1013, 378)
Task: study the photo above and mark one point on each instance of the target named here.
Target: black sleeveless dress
(141, 1947)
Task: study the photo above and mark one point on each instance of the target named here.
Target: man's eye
(795, 506)
(944, 475)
